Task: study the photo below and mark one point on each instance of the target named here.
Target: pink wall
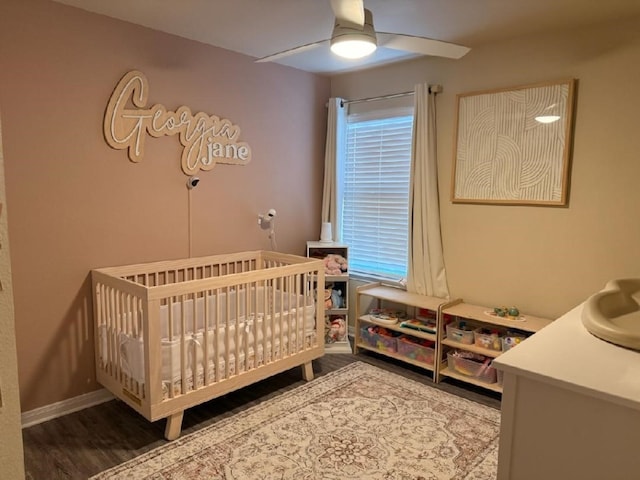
(75, 204)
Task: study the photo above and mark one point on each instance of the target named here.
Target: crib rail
(169, 331)
(171, 272)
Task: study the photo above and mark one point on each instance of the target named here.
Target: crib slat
(170, 338)
(278, 315)
(266, 354)
(114, 322)
(217, 355)
(193, 345)
(237, 331)
(205, 338)
(183, 324)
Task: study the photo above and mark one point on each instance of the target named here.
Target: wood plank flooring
(87, 442)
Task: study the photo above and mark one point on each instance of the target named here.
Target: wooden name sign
(206, 139)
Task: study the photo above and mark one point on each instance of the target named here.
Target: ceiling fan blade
(421, 45)
(349, 12)
(291, 51)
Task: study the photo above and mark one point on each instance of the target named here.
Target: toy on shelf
(472, 365)
(418, 349)
(333, 298)
(335, 264)
(460, 331)
(421, 324)
(511, 339)
(511, 313)
(386, 315)
(380, 338)
(488, 338)
(335, 329)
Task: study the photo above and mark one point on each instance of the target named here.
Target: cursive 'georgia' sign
(206, 139)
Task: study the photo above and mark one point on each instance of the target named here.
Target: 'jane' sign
(206, 139)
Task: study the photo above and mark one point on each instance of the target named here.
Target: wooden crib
(170, 335)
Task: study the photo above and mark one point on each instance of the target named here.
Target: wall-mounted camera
(264, 220)
(192, 182)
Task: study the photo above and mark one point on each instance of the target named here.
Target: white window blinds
(375, 203)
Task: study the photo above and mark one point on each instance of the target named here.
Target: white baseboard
(337, 347)
(65, 407)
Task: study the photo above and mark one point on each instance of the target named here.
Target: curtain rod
(432, 89)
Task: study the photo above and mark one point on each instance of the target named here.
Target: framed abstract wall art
(513, 145)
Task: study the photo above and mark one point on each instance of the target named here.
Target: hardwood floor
(87, 442)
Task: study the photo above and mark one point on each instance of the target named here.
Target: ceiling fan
(354, 36)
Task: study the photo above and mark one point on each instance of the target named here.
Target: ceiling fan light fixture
(351, 41)
(353, 47)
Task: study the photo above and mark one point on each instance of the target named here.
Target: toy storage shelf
(479, 314)
(481, 317)
(321, 250)
(384, 296)
(445, 310)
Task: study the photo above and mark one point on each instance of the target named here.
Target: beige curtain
(426, 272)
(336, 134)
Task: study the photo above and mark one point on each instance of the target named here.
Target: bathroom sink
(614, 313)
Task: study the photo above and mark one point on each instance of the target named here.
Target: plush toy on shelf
(336, 329)
(328, 302)
(335, 264)
(332, 298)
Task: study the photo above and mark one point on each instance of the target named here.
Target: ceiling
(262, 27)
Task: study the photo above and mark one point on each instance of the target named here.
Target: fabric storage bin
(486, 338)
(472, 365)
(511, 339)
(411, 347)
(460, 332)
(379, 337)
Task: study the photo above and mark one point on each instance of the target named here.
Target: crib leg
(174, 425)
(307, 371)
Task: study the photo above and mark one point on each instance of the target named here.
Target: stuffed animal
(336, 299)
(336, 330)
(335, 264)
(328, 301)
(332, 298)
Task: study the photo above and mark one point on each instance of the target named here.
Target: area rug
(359, 422)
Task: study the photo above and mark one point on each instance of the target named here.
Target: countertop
(566, 355)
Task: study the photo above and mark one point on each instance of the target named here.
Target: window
(373, 182)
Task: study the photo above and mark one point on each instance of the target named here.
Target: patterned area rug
(359, 422)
